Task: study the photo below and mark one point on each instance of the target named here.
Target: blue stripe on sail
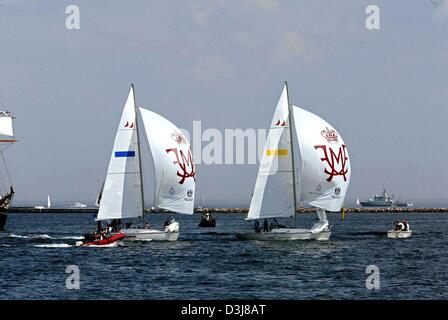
(124, 154)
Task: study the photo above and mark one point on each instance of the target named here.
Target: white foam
(53, 245)
(31, 236)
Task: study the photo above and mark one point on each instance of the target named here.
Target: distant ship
(383, 200)
(79, 205)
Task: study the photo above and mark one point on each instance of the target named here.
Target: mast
(139, 155)
(292, 156)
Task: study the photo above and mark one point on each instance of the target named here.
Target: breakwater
(238, 210)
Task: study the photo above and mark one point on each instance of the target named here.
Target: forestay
(325, 173)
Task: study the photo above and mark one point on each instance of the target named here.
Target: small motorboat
(401, 230)
(394, 234)
(102, 240)
(207, 221)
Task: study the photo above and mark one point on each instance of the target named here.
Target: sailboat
(6, 187)
(123, 194)
(322, 180)
(48, 204)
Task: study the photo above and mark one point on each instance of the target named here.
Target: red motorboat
(102, 240)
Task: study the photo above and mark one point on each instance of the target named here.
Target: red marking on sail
(132, 125)
(284, 123)
(332, 160)
(127, 124)
(184, 163)
(278, 123)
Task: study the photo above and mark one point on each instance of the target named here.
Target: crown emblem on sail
(129, 124)
(330, 135)
(189, 193)
(178, 137)
(337, 191)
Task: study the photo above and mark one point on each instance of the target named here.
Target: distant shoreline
(238, 210)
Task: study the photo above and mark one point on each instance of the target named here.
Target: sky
(223, 63)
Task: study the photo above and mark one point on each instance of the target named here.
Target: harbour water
(36, 249)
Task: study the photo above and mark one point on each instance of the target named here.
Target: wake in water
(53, 245)
(45, 236)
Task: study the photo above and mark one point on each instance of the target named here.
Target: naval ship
(383, 200)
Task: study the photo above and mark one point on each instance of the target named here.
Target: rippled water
(211, 264)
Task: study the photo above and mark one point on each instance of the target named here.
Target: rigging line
(6, 168)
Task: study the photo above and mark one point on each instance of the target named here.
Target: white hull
(285, 235)
(149, 235)
(399, 234)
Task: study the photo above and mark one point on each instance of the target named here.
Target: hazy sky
(224, 63)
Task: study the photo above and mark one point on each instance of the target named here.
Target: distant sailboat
(43, 207)
(6, 187)
(323, 179)
(174, 173)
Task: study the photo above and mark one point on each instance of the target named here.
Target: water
(211, 264)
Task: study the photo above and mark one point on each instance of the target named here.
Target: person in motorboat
(406, 225)
(399, 226)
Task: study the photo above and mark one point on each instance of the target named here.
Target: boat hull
(207, 223)
(3, 218)
(149, 235)
(285, 235)
(393, 234)
(111, 241)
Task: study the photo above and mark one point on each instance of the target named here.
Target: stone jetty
(239, 210)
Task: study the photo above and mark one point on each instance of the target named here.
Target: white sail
(325, 173)
(48, 202)
(122, 196)
(6, 127)
(273, 194)
(174, 169)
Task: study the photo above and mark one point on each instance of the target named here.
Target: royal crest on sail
(330, 135)
(178, 137)
(185, 163)
(337, 163)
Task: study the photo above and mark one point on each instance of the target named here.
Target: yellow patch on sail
(277, 152)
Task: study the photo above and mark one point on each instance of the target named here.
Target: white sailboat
(174, 172)
(6, 188)
(322, 180)
(43, 207)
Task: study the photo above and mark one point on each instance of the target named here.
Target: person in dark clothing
(257, 226)
(265, 226)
